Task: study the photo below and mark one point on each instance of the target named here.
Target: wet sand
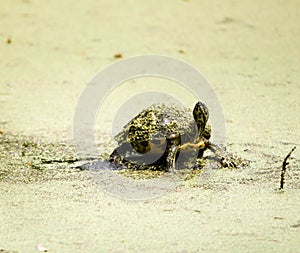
(250, 54)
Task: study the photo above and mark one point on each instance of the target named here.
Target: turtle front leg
(171, 158)
(226, 159)
(200, 144)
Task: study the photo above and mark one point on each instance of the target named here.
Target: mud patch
(30, 159)
(25, 159)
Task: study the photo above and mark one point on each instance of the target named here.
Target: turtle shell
(153, 127)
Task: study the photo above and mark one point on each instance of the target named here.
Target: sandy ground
(249, 52)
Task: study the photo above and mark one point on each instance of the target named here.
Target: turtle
(158, 134)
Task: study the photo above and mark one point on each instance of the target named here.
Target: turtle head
(201, 115)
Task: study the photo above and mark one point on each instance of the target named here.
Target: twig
(283, 170)
(71, 160)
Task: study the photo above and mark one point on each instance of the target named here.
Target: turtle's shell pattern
(158, 122)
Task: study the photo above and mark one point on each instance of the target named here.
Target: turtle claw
(227, 160)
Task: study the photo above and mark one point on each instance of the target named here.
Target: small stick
(71, 160)
(283, 170)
